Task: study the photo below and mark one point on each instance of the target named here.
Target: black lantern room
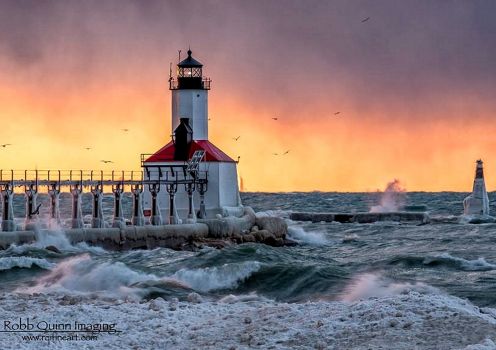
(189, 75)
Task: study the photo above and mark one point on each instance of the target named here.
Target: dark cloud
(306, 52)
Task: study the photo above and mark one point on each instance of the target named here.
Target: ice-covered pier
(145, 229)
(53, 182)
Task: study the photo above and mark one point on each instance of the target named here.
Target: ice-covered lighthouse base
(222, 197)
(222, 194)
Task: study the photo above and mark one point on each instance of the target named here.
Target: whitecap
(10, 262)
(214, 278)
(311, 237)
(479, 264)
(81, 274)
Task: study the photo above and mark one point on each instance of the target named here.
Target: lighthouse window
(190, 72)
(185, 72)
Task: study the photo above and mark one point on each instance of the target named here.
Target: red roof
(212, 153)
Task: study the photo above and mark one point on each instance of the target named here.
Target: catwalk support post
(54, 193)
(76, 188)
(8, 223)
(173, 217)
(202, 189)
(32, 210)
(118, 189)
(138, 218)
(156, 217)
(190, 188)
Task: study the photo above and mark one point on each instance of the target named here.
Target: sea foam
(369, 285)
(310, 237)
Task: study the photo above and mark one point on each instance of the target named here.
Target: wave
(84, 275)
(10, 262)
(479, 264)
(445, 259)
(370, 285)
(227, 276)
(312, 237)
(351, 237)
(54, 237)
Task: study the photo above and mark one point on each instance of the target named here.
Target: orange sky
(425, 127)
(348, 152)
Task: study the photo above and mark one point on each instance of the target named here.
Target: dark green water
(457, 259)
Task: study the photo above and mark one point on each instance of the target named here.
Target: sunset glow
(423, 121)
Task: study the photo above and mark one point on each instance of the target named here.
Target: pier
(217, 232)
(361, 218)
(145, 229)
(52, 182)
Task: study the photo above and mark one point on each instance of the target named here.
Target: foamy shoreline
(404, 321)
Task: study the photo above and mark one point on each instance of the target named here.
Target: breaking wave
(11, 262)
(82, 274)
(226, 276)
(57, 238)
(312, 237)
(392, 198)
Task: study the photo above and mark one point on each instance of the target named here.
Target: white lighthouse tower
(190, 133)
(477, 203)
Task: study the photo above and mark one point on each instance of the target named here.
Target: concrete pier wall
(361, 218)
(216, 232)
(16, 237)
(144, 237)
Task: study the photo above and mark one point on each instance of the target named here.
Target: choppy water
(333, 261)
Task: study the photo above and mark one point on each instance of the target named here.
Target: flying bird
(125, 130)
(6, 144)
(275, 154)
(275, 118)
(87, 148)
(286, 152)
(36, 211)
(106, 161)
(236, 138)
(365, 20)
(337, 113)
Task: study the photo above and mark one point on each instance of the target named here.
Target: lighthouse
(477, 203)
(217, 192)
